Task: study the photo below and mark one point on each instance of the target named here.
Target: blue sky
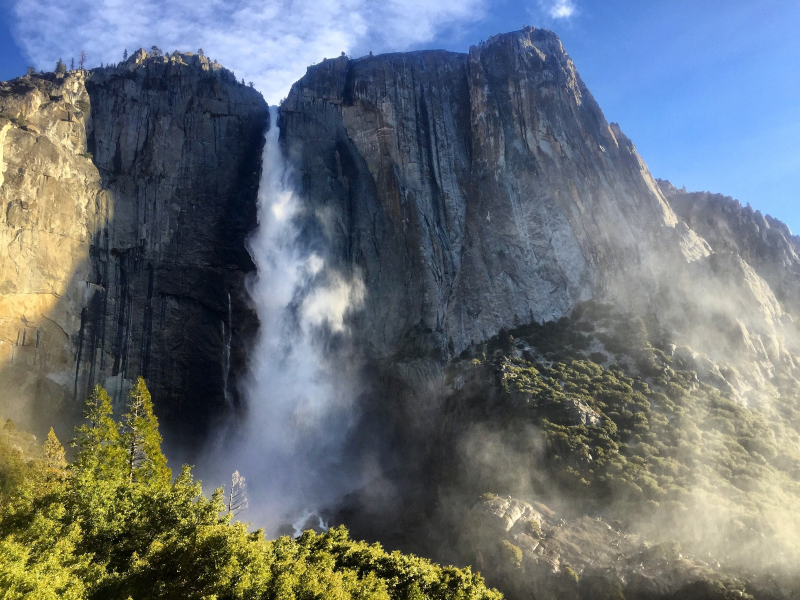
(708, 90)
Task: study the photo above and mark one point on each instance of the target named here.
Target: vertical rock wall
(471, 191)
(155, 166)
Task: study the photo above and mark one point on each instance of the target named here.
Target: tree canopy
(113, 523)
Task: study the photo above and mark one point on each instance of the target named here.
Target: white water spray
(299, 399)
(227, 327)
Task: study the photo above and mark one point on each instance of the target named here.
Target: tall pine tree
(141, 439)
(54, 456)
(100, 450)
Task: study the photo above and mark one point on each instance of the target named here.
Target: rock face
(474, 192)
(471, 191)
(128, 193)
(764, 243)
(537, 554)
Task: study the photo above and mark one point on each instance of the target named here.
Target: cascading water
(299, 398)
(226, 364)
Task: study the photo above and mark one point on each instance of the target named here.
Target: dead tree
(237, 497)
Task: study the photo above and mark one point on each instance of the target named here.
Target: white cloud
(559, 9)
(270, 42)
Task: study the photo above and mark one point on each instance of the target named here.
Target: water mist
(299, 396)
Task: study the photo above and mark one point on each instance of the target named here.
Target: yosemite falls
(299, 402)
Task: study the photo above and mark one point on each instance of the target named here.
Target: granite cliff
(470, 192)
(489, 207)
(475, 192)
(128, 192)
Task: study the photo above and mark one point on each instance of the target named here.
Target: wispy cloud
(558, 9)
(270, 42)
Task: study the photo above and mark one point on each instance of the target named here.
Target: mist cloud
(268, 42)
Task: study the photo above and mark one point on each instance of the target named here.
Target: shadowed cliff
(128, 194)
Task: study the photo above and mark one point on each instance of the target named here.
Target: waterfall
(227, 353)
(299, 397)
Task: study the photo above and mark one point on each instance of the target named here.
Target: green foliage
(100, 453)
(647, 441)
(534, 528)
(141, 438)
(9, 427)
(510, 553)
(114, 525)
(569, 573)
(13, 469)
(54, 455)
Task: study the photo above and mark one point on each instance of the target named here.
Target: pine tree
(125, 54)
(82, 59)
(141, 439)
(100, 449)
(61, 68)
(55, 459)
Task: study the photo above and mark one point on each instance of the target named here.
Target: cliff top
(723, 204)
(545, 40)
(139, 63)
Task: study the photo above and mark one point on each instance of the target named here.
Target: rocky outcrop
(764, 243)
(738, 304)
(128, 193)
(539, 554)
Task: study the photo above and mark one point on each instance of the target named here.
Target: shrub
(569, 573)
(510, 554)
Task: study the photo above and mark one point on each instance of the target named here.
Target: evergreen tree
(82, 59)
(105, 532)
(125, 54)
(61, 68)
(141, 439)
(54, 456)
(100, 450)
